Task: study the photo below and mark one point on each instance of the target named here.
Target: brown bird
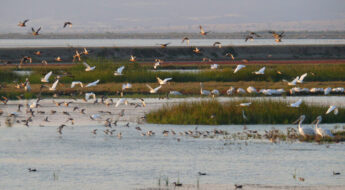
(58, 59)
(37, 52)
(35, 32)
(69, 24)
(85, 52)
(277, 37)
(23, 24)
(185, 39)
(202, 31)
(164, 45)
(196, 50)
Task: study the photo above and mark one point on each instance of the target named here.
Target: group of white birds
(310, 131)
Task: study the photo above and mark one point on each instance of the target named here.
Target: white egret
(214, 66)
(92, 83)
(239, 67)
(161, 82)
(231, 91)
(53, 88)
(119, 70)
(261, 71)
(252, 90)
(46, 77)
(76, 83)
(296, 104)
(332, 108)
(155, 90)
(126, 86)
(320, 131)
(204, 92)
(293, 82)
(240, 91)
(327, 90)
(88, 68)
(304, 131)
(215, 92)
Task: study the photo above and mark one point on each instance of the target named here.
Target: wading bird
(304, 131)
(204, 92)
(320, 131)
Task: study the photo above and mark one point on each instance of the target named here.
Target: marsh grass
(142, 73)
(259, 112)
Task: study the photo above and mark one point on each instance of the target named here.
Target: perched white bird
(126, 86)
(204, 92)
(304, 131)
(327, 90)
(252, 90)
(261, 71)
(301, 78)
(320, 131)
(240, 91)
(316, 90)
(161, 82)
(153, 91)
(121, 101)
(338, 90)
(46, 77)
(296, 104)
(175, 93)
(332, 108)
(239, 67)
(245, 104)
(119, 70)
(88, 68)
(231, 91)
(215, 92)
(90, 94)
(214, 66)
(76, 83)
(53, 88)
(92, 83)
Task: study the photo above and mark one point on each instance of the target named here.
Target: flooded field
(80, 159)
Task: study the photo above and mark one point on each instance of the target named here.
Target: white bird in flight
(46, 77)
(296, 104)
(90, 94)
(332, 108)
(121, 101)
(261, 71)
(53, 88)
(293, 82)
(239, 67)
(92, 83)
(119, 70)
(76, 83)
(88, 68)
(161, 82)
(301, 78)
(153, 91)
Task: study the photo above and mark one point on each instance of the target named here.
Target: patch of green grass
(259, 112)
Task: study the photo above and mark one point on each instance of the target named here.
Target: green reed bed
(137, 73)
(259, 112)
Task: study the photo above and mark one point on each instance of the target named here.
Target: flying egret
(92, 83)
(46, 77)
(332, 108)
(76, 83)
(296, 104)
(53, 88)
(126, 86)
(320, 131)
(119, 70)
(156, 65)
(214, 66)
(261, 71)
(239, 67)
(161, 82)
(304, 131)
(88, 68)
(301, 78)
(121, 101)
(204, 92)
(90, 94)
(293, 82)
(153, 91)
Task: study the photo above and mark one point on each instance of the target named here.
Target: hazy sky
(172, 15)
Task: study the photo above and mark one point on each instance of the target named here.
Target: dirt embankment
(250, 53)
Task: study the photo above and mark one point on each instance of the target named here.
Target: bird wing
(167, 79)
(119, 70)
(330, 109)
(159, 80)
(201, 29)
(120, 101)
(148, 86)
(301, 78)
(46, 77)
(55, 84)
(157, 88)
(262, 70)
(86, 65)
(38, 30)
(32, 29)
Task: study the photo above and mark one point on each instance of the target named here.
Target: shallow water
(18, 43)
(81, 160)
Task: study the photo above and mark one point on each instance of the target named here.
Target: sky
(138, 16)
